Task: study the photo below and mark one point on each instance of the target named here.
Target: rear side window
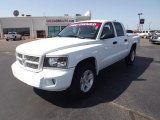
(119, 29)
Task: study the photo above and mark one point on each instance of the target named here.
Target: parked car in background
(12, 36)
(155, 39)
(144, 34)
(133, 34)
(157, 32)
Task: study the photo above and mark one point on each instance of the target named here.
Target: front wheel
(83, 80)
(21, 37)
(131, 57)
(14, 39)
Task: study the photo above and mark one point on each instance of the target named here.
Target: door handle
(125, 40)
(115, 42)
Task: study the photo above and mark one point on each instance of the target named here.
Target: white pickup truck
(12, 36)
(145, 34)
(73, 59)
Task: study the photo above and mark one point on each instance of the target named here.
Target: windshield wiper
(76, 36)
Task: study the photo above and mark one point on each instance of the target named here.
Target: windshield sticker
(85, 24)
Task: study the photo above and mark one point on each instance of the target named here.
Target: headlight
(59, 62)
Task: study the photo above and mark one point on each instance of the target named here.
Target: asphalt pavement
(122, 92)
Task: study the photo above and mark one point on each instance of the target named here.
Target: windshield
(11, 33)
(81, 30)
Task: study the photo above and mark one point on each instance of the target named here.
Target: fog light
(54, 81)
(48, 82)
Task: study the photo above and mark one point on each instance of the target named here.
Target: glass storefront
(22, 31)
(54, 30)
(62, 27)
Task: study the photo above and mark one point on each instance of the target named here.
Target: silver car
(155, 39)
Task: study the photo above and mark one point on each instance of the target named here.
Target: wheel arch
(134, 45)
(91, 60)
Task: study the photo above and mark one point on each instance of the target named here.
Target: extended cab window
(108, 29)
(119, 29)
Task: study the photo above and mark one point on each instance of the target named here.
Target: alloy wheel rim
(86, 81)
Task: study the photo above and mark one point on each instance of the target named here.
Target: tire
(153, 42)
(21, 38)
(83, 80)
(14, 39)
(131, 57)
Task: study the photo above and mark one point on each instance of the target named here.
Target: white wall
(15, 22)
(36, 23)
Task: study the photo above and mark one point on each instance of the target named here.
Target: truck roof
(102, 21)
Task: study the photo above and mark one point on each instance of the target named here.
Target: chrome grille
(19, 55)
(28, 61)
(32, 58)
(20, 61)
(30, 65)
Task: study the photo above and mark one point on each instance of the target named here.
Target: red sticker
(85, 24)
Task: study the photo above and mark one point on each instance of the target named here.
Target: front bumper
(5, 37)
(47, 79)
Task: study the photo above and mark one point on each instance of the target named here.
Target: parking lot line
(132, 112)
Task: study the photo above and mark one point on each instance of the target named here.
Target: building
(39, 27)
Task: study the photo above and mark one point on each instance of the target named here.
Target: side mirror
(107, 35)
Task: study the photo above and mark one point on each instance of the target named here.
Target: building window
(22, 31)
(53, 30)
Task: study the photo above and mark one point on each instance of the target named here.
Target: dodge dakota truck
(72, 60)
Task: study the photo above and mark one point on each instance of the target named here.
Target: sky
(124, 11)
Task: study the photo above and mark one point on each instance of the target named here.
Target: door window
(108, 29)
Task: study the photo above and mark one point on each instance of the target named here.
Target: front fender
(77, 54)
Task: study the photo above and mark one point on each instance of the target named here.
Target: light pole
(1, 31)
(139, 14)
(150, 25)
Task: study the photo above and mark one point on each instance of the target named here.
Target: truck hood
(44, 46)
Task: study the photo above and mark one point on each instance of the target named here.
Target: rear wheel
(14, 38)
(83, 80)
(131, 57)
(21, 38)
